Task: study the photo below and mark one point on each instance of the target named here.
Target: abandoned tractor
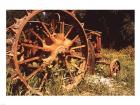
(49, 45)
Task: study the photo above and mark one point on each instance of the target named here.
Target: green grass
(124, 82)
(126, 58)
(127, 74)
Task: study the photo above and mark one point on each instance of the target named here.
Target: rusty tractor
(52, 44)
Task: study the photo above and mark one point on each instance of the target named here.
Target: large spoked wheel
(50, 45)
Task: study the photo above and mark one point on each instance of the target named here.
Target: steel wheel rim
(69, 87)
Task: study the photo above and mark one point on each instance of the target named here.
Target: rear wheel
(49, 45)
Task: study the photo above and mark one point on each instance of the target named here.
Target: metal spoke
(31, 46)
(68, 31)
(77, 67)
(28, 60)
(32, 31)
(46, 29)
(33, 21)
(62, 24)
(77, 56)
(45, 33)
(76, 37)
(48, 32)
(35, 47)
(78, 47)
(33, 73)
(68, 69)
(53, 25)
(43, 81)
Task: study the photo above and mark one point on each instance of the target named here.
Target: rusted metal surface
(41, 43)
(58, 38)
(115, 67)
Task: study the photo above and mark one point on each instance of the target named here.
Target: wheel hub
(60, 45)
